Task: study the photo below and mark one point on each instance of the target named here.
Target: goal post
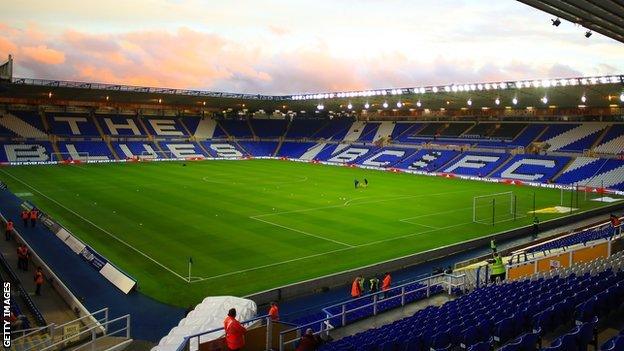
(154, 155)
(69, 156)
(494, 208)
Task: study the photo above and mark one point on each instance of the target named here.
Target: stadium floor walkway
(50, 303)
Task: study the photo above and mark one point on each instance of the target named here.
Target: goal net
(494, 208)
(156, 155)
(69, 156)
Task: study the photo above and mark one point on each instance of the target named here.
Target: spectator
(615, 224)
(25, 216)
(498, 269)
(274, 312)
(309, 341)
(234, 332)
(9, 230)
(374, 284)
(38, 280)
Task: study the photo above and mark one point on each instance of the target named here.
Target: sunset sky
(276, 47)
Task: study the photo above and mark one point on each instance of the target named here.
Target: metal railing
(448, 281)
(93, 334)
(192, 342)
(54, 332)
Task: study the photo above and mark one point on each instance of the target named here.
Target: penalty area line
(97, 227)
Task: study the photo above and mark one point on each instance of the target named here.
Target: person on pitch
(356, 183)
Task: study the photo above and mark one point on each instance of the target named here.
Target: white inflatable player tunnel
(207, 315)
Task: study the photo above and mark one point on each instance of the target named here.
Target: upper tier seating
(203, 127)
(613, 141)
(579, 138)
(120, 126)
(304, 128)
(72, 124)
(24, 124)
(236, 128)
(165, 127)
(336, 129)
(269, 128)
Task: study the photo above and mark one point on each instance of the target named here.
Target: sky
(296, 46)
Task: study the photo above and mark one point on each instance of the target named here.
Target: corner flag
(190, 263)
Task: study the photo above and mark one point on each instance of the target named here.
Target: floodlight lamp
(366, 105)
(588, 34)
(418, 103)
(514, 101)
(349, 106)
(469, 102)
(434, 89)
(320, 107)
(399, 104)
(385, 104)
(497, 101)
(622, 97)
(583, 99)
(545, 100)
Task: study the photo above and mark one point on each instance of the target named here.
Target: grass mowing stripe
(96, 226)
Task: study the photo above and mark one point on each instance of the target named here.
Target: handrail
(188, 338)
(93, 332)
(323, 322)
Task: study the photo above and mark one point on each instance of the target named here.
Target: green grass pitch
(258, 224)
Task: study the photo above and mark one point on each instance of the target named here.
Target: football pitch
(258, 224)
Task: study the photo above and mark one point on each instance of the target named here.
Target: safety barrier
(400, 293)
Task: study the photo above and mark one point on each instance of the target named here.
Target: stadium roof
(603, 91)
(602, 16)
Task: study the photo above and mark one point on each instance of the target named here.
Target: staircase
(205, 129)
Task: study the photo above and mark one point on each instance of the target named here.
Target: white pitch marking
(301, 232)
(97, 226)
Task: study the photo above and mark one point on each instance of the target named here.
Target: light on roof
(349, 106)
(50, 95)
(469, 102)
(480, 86)
(583, 99)
(447, 88)
(514, 101)
(366, 105)
(545, 100)
(622, 97)
(418, 103)
(399, 104)
(487, 86)
(497, 101)
(454, 88)
(385, 104)
(536, 83)
(434, 89)
(320, 107)
(519, 85)
(502, 85)
(422, 90)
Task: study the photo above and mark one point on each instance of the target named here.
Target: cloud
(197, 59)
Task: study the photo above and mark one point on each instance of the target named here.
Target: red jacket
(386, 283)
(9, 226)
(355, 288)
(274, 313)
(234, 333)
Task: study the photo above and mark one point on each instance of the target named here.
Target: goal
(69, 156)
(494, 208)
(154, 155)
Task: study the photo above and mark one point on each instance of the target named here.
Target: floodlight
(503, 85)
(366, 105)
(497, 101)
(320, 107)
(622, 97)
(545, 100)
(422, 90)
(385, 104)
(556, 22)
(514, 101)
(434, 89)
(469, 102)
(487, 86)
(454, 88)
(447, 88)
(519, 85)
(418, 103)
(480, 86)
(583, 99)
(349, 106)
(399, 104)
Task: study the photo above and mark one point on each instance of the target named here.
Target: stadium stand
(612, 142)
(236, 128)
(513, 316)
(71, 125)
(269, 128)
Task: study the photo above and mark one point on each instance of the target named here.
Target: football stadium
(472, 212)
